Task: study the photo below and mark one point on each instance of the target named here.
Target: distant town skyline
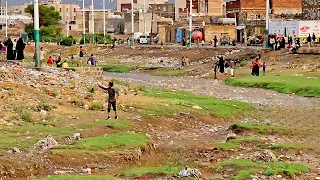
(97, 3)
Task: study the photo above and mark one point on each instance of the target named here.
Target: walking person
(9, 45)
(14, 49)
(113, 96)
(41, 55)
(221, 64)
(81, 55)
(309, 41)
(20, 49)
(215, 40)
(264, 66)
(314, 38)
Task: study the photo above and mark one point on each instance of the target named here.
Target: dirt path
(218, 89)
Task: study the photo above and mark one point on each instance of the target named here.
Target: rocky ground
(275, 138)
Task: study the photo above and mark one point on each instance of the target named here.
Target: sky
(109, 5)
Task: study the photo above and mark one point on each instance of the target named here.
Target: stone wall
(216, 30)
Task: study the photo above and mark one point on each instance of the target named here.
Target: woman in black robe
(9, 45)
(20, 48)
(221, 64)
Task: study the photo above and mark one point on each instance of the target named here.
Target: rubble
(188, 172)
(266, 156)
(14, 150)
(47, 143)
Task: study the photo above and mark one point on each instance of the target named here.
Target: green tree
(48, 22)
(47, 15)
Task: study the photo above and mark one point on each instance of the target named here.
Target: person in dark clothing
(215, 40)
(309, 41)
(184, 42)
(314, 38)
(283, 43)
(290, 40)
(221, 64)
(298, 43)
(255, 67)
(9, 45)
(20, 48)
(58, 61)
(112, 99)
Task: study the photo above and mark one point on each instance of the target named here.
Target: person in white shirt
(14, 48)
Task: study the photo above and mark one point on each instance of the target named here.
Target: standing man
(112, 99)
(81, 55)
(14, 49)
(309, 41)
(314, 38)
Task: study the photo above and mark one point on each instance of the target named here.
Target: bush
(77, 102)
(25, 116)
(96, 106)
(67, 41)
(44, 106)
(87, 41)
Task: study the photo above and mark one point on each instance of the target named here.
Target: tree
(47, 15)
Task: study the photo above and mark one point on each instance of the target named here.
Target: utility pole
(84, 23)
(104, 21)
(190, 23)
(267, 23)
(6, 18)
(67, 25)
(93, 39)
(144, 18)
(36, 33)
(132, 23)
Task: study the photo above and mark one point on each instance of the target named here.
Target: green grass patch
(244, 174)
(270, 168)
(117, 68)
(185, 101)
(16, 136)
(44, 106)
(235, 143)
(171, 73)
(300, 85)
(113, 124)
(291, 146)
(264, 129)
(78, 177)
(166, 170)
(77, 102)
(127, 139)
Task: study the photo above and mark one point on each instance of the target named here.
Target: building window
(60, 9)
(74, 17)
(164, 8)
(74, 9)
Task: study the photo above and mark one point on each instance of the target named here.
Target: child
(112, 99)
(264, 66)
(50, 61)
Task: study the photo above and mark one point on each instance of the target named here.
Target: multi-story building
(125, 5)
(199, 7)
(68, 11)
(311, 9)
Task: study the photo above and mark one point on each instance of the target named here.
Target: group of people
(256, 65)
(57, 59)
(224, 66)
(14, 50)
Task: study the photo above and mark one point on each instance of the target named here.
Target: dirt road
(218, 89)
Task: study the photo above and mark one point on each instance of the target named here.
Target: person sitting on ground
(92, 61)
(50, 61)
(65, 64)
(113, 96)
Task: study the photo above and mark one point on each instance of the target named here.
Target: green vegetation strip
(235, 143)
(300, 85)
(76, 177)
(171, 73)
(166, 170)
(178, 101)
(117, 68)
(263, 129)
(28, 134)
(113, 124)
(127, 139)
(270, 168)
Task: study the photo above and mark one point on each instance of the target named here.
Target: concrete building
(311, 9)
(125, 5)
(200, 8)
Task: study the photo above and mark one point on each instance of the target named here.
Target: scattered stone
(231, 136)
(47, 143)
(197, 107)
(14, 150)
(266, 156)
(77, 136)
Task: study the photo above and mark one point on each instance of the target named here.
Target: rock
(197, 107)
(77, 136)
(279, 176)
(43, 112)
(231, 136)
(92, 166)
(266, 156)
(318, 178)
(14, 150)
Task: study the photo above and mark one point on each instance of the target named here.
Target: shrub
(44, 106)
(96, 106)
(77, 102)
(67, 41)
(25, 116)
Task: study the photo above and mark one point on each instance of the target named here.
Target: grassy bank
(117, 68)
(173, 102)
(300, 85)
